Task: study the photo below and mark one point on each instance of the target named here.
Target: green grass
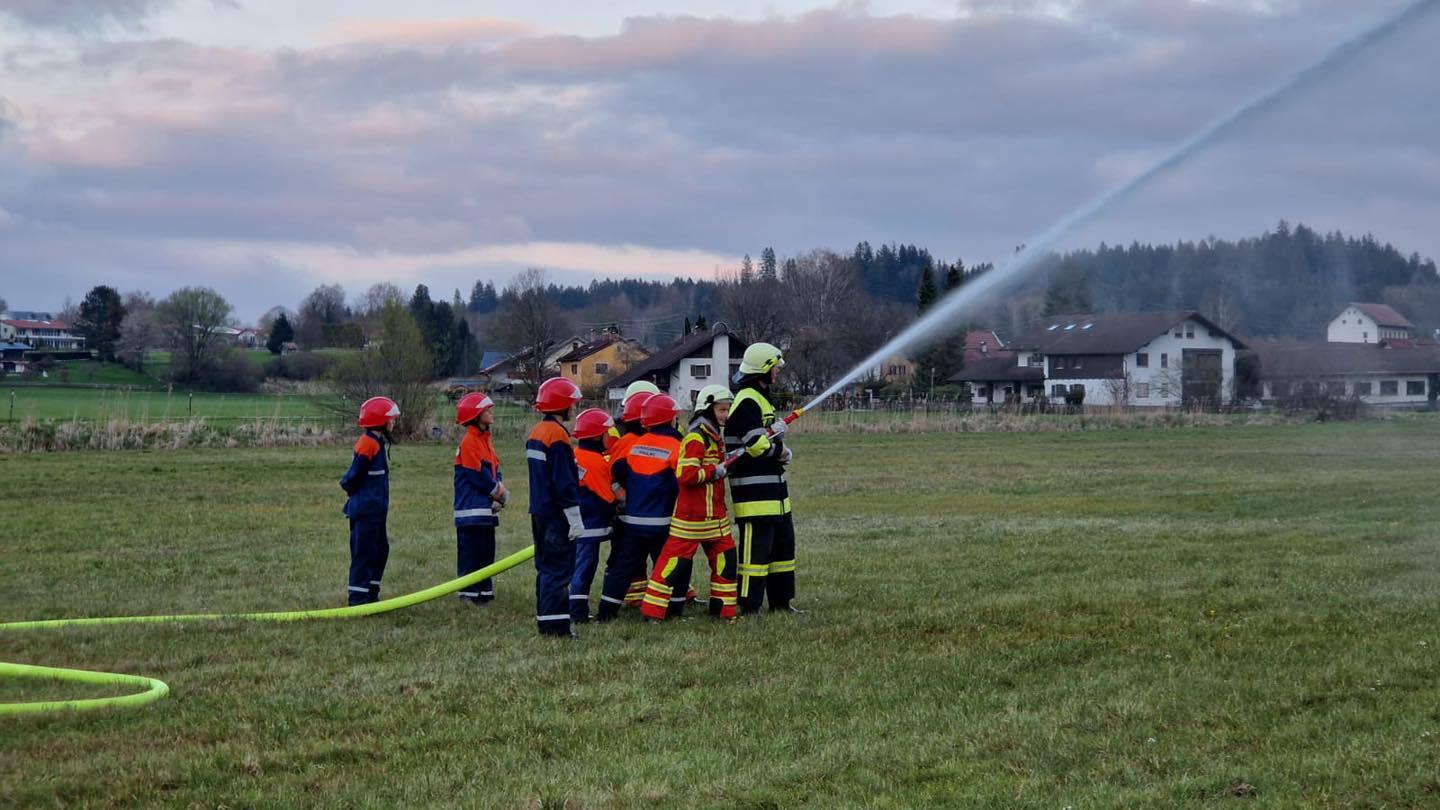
(47, 402)
(1109, 619)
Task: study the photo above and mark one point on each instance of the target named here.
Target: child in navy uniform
(367, 482)
(597, 504)
(555, 521)
(480, 493)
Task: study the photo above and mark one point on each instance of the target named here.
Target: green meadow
(1138, 618)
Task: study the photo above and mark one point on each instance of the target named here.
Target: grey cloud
(80, 14)
(965, 135)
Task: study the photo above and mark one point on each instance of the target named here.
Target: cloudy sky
(264, 146)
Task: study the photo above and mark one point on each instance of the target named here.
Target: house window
(1189, 330)
(1179, 332)
(574, 368)
(1335, 388)
(1077, 363)
(1390, 388)
(1142, 360)
(1364, 389)
(1164, 360)
(1142, 390)
(1057, 391)
(1059, 362)
(1164, 390)
(700, 369)
(1037, 361)
(1365, 336)
(602, 368)
(1034, 391)
(1414, 388)
(982, 391)
(1078, 390)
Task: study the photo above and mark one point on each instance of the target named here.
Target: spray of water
(945, 315)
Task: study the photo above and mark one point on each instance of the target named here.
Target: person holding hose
(630, 430)
(367, 483)
(480, 493)
(555, 521)
(758, 486)
(700, 519)
(646, 471)
(597, 505)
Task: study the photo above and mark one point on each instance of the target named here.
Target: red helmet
(556, 395)
(376, 411)
(592, 424)
(661, 409)
(471, 406)
(634, 406)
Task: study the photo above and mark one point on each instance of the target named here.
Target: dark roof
(671, 356)
(511, 358)
(996, 367)
(1383, 315)
(15, 347)
(490, 357)
(584, 350)
(1116, 333)
(1307, 360)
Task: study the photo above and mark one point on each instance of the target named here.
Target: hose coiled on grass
(156, 689)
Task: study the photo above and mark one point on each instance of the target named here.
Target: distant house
(245, 337)
(41, 330)
(594, 362)
(1379, 375)
(1146, 359)
(897, 368)
(682, 369)
(980, 343)
(12, 357)
(504, 368)
(1369, 323)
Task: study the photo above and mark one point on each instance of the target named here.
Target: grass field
(1109, 619)
(53, 402)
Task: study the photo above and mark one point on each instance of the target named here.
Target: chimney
(984, 348)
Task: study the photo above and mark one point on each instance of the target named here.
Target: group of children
(657, 495)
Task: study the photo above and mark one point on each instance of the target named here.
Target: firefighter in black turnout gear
(765, 532)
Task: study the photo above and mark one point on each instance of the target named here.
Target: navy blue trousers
(369, 550)
(554, 567)
(630, 548)
(587, 561)
(475, 549)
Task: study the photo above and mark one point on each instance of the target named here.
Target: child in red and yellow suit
(700, 519)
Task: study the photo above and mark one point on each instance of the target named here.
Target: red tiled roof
(1383, 315)
(37, 324)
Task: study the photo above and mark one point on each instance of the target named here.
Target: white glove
(778, 428)
(786, 455)
(721, 471)
(500, 496)
(577, 528)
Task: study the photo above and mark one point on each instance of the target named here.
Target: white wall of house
(1158, 383)
(1354, 326)
(695, 371)
(1372, 388)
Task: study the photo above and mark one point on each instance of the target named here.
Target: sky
(263, 147)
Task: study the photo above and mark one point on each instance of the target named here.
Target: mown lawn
(53, 402)
(1121, 619)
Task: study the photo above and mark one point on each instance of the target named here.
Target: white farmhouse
(682, 369)
(1143, 359)
(1369, 323)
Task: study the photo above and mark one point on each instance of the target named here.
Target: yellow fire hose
(157, 689)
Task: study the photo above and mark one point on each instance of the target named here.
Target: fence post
(12, 405)
(191, 411)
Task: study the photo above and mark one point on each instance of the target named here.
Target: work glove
(500, 495)
(778, 428)
(577, 528)
(785, 455)
(721, 470)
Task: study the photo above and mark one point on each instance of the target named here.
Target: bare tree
(324, 305)
(140, 330)
(528, 322)
(371, 303)
(191, 318)
(753, 307)
(397, 364)
(1119, 389)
